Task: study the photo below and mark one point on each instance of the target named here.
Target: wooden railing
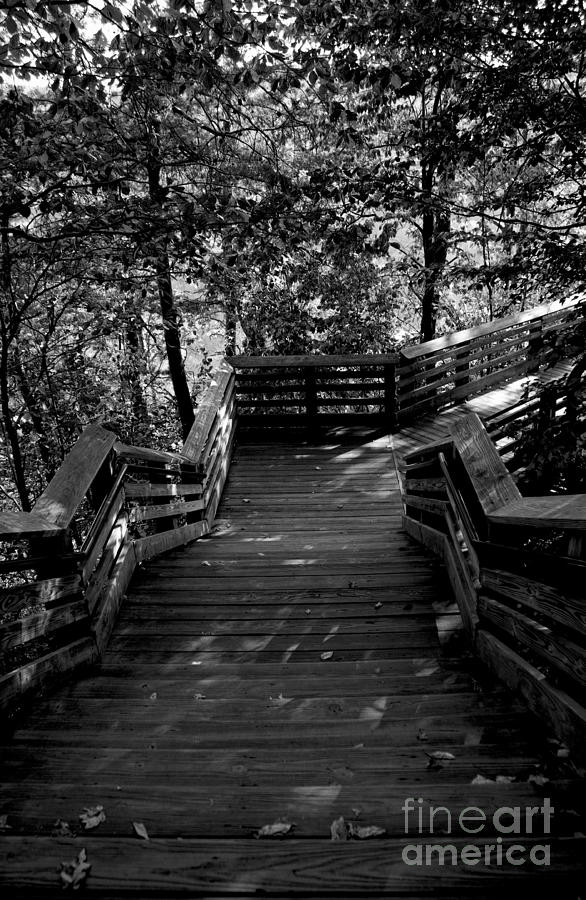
(397, 388)
(310, 390)
(517, 566)
(440, 373)
(109, 507)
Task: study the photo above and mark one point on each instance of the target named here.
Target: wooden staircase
(281, 705)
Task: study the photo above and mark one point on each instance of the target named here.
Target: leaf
(480, 779)
(62, 829)
(74, 873)
(339, 830)
(153, 696)
(378, 604)
(422, 735)
(141, 831)
(246, 500)
(539, 780)
(3, 823)
(206, 563)
(365, 832)
(277, 829)
(92, 816)
(327, 654)
(307, 612)
(221, 525)
(199, 696)
(438, 759)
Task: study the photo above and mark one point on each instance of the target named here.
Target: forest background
(184, 180)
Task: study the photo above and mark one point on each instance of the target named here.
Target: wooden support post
(390, 397)
(462, 368)
(311, 399)
(535, 346)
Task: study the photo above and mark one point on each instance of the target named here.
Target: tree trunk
(15, 455)
(171, 329)
(169, 312)
(435, 231)
(12, 434)
(231, 324)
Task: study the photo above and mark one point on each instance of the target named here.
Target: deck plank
(213, 712)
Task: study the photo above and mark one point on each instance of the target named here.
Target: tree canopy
(315, 176)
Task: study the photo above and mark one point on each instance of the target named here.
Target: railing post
(310, 398)
(535, 346)
(462, 367)
(390, 396)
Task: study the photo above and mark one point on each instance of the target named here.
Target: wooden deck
(301, 664)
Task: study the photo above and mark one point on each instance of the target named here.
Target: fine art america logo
(506, 821)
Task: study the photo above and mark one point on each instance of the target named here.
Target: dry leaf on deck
(327, 654)
(153, 696)
(540, 780)
(339, 829)
(422, 735)
(199, 696)
(61, 829)
(378, 604)
(74, 873)
(92, 816)
(277, 829)
(440, 754)
(365, 832)
(480, 779)
(3, 823)
(141, 831)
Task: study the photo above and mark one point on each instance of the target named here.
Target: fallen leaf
(378, 604)
(277, 829)
(141, 831)
(307, 612)
(480, 779)
(153, 696)
(357, 747)
(365, 832)
(327, 654)
(339, 829)
(199, 696)
(538, 779)
(352, 584)
(221, 525)
(206, 563)
(318, 468)
(74, 873)
(246, 500)
(61, 829)
(92, 816)
(3, 823)
(422, 735)
(440, 755)
(356, 812)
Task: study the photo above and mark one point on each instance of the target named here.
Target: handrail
(109, 507)
(523, 605)
(398, 387)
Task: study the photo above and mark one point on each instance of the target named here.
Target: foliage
(330, 176)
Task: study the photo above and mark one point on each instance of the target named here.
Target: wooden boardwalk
(301, 664)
